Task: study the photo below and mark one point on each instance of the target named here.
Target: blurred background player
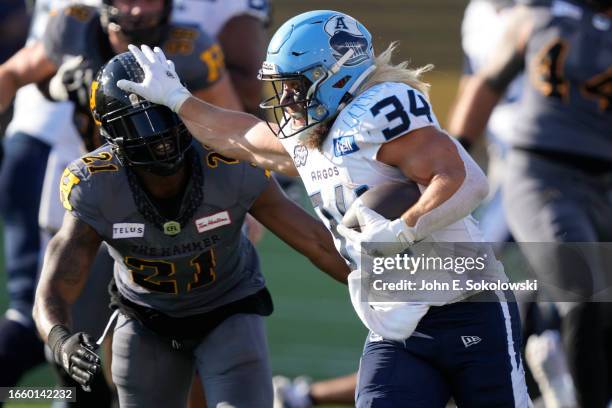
(14, 22)
(557, 182)
(81, 31)
(483, 26)
(240, 28)
(188, 281)
(484, 22)
(27, 144)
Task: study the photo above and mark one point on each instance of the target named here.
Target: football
(390, 200)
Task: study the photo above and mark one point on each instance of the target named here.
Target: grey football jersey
(567, 103)
(76, 30)
(207, 264)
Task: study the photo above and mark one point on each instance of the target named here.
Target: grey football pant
(232, 362)
(546, 201)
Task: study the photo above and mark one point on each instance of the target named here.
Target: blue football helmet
(328, 54)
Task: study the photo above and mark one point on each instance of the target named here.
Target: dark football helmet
(143, 29)
(141, 133)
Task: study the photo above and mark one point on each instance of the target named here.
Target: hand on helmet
(161, 84)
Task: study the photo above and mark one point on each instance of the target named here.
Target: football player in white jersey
(348, 121)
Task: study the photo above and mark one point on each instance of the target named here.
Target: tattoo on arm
(66, 266)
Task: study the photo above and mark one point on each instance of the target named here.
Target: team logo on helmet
(344, 36)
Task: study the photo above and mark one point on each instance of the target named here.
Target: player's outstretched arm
(234, 134)
(66, 266)
(481, 92)
(30, 64)
(67, 263)
(300, 230)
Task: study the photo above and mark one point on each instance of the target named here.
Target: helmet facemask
(151, 138)
(289, 103)
(302, 105)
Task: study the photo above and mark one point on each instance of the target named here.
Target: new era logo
(470, 340)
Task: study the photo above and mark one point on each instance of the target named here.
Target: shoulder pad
(66, 31)
(180, 41)
(85, 187)
(79, 12)
(386, 111)
(198, 59)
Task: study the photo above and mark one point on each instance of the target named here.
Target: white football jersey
(346, 165)
(212, 15)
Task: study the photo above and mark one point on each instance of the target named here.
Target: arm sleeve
(470, 194)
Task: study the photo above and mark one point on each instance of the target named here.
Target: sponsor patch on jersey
(213, 221)
(124, 230)
(345, 145)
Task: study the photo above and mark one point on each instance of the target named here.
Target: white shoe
(546, 359)
(291, 394)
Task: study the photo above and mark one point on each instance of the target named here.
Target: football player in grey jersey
(559, 170)
(77, 41)
(188, 282)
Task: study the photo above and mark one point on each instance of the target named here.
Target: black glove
(75, 353)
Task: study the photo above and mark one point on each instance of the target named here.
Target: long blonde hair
(385, 71)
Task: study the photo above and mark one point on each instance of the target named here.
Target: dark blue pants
(469, 351)
(21, 180)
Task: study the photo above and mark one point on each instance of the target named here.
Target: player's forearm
(66, 266)
(440, 189)
(8, 87)
(324, 254)
(58, 287)
(50, 309)
(450, 196)
(221, 129)
(332, 264)
(473, 109)
(29, 65)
